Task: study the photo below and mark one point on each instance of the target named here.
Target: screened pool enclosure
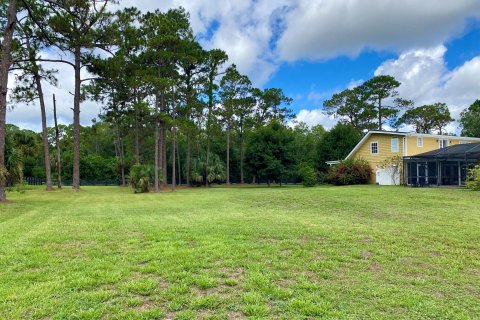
(443, 167)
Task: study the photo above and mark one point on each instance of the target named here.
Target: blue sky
(312, 82)
(314, 48)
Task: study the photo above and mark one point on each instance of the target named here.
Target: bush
(350, 172)
(141, 177)
(473, 178)
(308, 175)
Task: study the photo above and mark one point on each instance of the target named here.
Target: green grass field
(363, 252)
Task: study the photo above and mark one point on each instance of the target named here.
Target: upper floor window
(419, 141)
(374, 147)
(442, 143)
(394, 145)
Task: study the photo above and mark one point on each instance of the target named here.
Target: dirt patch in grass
(376, 267)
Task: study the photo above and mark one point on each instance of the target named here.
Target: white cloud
(314, 117)
(425, 79)
(324, 29)
(260, 35)
(29, 117)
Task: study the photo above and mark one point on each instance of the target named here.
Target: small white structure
(389, 176)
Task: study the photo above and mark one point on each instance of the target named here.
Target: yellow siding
(384, 151)
(431, 143)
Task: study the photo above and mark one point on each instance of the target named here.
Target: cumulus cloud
(425, 78)
(243, 29)
(324, 29)
(314, 117)
(260, 35)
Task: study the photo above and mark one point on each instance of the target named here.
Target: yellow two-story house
(381, 149)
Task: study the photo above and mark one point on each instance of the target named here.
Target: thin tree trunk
(164, 157)
(4, 67)
(187, 160)
(164, 144)
(174, 138)
(228, 152)
(119, 150)
(137, 138)
(179, 167)
(160, 154)
(76, 123)
(174, 142)
(241, 155)
(41, 98)
(209, 115)
(207, 160)
(46, 147)
(57, 144)
(157, 145)
(122, 157)
(379, 114)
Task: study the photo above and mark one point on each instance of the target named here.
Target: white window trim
(440, 143)
(398, 145)
(378, 148)
(420, 139)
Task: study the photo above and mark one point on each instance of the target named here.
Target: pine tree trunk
(380, 114)
(209, 115)
(4, 67)
(157, 154)
(241, 155)
(57, 144)
(160, 154)
(207, 160)
(228, 153)
(137, 139)
(46, 147)
(157, 145)
(179, 163)
(164, 157)
(174, 133)
(187, 160)
(122, 157)
(119, 150)
(76, 123)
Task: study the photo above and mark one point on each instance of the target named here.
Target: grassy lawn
(363, 252)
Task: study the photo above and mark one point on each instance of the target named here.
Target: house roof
(458, 151)
(399, 133)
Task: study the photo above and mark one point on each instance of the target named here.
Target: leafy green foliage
(351, 171)
(379, 89)
(336, 144)
(272, 105)
(270, 152)
(352, 107)
(470, 120)
(427, 118)
(473, 178)
(216, 170)
(141, 177)
(308, 175)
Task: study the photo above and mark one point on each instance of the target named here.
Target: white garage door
(389, 176)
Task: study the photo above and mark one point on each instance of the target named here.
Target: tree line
(169, 104)
(376, 102)
(155, 83)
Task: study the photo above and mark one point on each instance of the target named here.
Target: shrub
(350, 172)
(141, 177)
(308, 175)
(473, 178)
